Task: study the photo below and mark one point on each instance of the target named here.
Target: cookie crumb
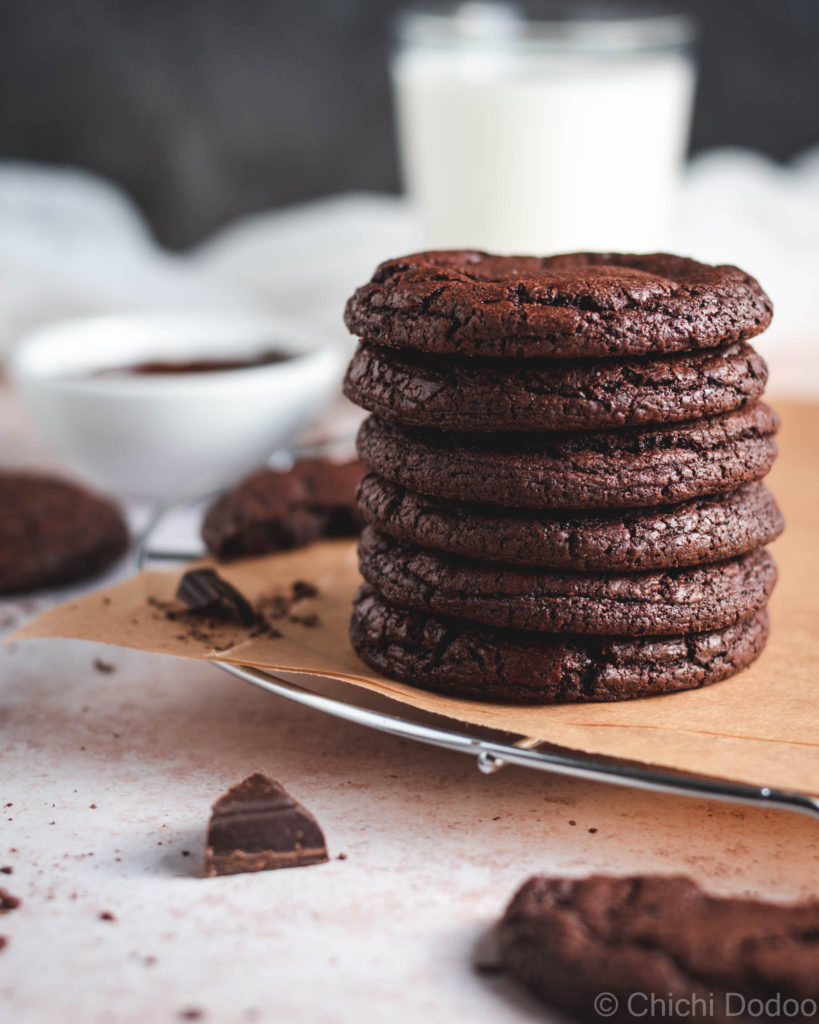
(572, 822)
(106, 915)
(93, 807)
(342, 856)
(7, 901)
(105, 667)
(186, 853)
(3, 942)
(310, 621)
(592, 830)
(191, 1013)
(302, 589)
(7, 870)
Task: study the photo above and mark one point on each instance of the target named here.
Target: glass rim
(494, 25)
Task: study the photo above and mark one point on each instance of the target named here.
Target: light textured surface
(434, 850)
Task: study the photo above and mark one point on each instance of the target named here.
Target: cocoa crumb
(265, 629)
(592, 830)
(7, 901)
(3, 942)
(106, 915)
(191, 1013)
(273, 606)
(105, 667)
(302, 589)
(7, 870)
(310, 621)
(342, 856)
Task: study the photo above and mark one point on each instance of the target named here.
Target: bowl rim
(30, 363)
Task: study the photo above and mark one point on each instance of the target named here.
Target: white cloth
(72, 244)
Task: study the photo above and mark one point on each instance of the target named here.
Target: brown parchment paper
(761, 727)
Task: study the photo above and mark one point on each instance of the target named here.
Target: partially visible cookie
(465, 393)
(54, 532)
(580, 304)
(468, 660)
(657, 603)
(273, 510)
(691, 533)
(604, 948)
(603, 469)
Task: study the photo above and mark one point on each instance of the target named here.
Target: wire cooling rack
(183, 514)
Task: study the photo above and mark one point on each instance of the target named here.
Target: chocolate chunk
(7, 901)
(204, 592)
(257, 826)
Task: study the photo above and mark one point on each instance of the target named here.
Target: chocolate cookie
(655, 603)
(603, 948)
(53, 531)
(275, 511)
(607, 469)
(692, 533)
(581, 304)
(477, 662)
(475, 394)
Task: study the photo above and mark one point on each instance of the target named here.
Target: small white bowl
(148, 436)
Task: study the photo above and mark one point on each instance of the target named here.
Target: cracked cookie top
(574, 305)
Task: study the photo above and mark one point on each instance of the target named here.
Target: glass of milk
(542, 136)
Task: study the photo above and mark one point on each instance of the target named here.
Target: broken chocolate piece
(258, 826)
(204, 592)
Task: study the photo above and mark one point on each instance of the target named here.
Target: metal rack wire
(490, 754)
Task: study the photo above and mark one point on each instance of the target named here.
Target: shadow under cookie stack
(565, 497)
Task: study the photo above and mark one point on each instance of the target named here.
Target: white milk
(515, 145)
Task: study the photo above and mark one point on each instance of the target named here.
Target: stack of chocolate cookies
(564, 500)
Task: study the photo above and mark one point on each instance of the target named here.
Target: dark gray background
(205, 109)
